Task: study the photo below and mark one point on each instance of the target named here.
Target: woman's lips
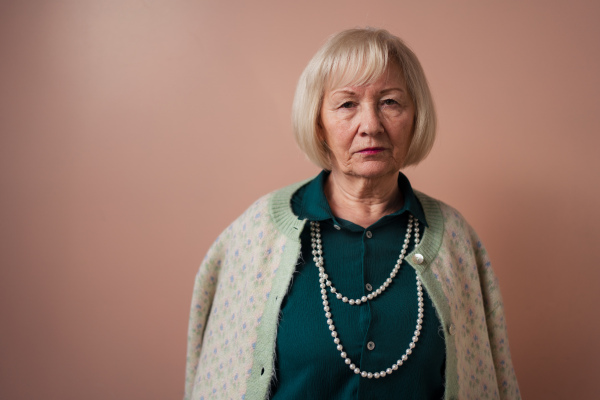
(372, 150)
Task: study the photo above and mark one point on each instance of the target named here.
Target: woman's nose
(370, 120)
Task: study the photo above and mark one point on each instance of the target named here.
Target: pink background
(133, 132)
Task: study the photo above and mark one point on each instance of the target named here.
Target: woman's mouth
(371, 150)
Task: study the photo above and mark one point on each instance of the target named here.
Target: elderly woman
(351, 285)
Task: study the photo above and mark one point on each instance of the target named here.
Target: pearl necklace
(324, 282)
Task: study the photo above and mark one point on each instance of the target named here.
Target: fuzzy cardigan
(245, 275)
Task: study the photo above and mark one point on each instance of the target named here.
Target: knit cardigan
(246, 273)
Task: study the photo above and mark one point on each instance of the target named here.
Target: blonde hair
(359, 57)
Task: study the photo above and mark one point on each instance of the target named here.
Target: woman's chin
(372, 170)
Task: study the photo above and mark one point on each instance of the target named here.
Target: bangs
(355, 64)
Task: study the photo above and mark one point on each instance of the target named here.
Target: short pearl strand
(317, 252)
(364, 374)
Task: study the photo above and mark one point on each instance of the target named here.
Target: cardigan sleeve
(204, 291)
(496, 325)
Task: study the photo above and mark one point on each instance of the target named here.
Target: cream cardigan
(245, 276)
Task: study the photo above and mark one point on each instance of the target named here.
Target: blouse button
(452, 329)
(369, 287)
(336, 226)
(370, 345)
(369, 234)
(418, 258)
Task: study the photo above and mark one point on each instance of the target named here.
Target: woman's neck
(362, 201)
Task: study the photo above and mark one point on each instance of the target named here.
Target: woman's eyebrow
(384, 91)
(351, 92)
(343, 91)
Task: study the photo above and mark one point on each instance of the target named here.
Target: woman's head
(358, 57)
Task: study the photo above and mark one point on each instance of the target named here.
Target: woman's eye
(390, 102)
(347, 104)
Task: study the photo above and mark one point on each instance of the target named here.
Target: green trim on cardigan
(429, 248)
(280, 212)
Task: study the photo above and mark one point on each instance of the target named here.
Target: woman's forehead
(348, 78)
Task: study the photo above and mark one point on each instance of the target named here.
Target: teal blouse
(375, 334)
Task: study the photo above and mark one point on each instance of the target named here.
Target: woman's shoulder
(272, 210)
(440, 213)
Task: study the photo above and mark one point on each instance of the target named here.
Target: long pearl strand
(324, 282)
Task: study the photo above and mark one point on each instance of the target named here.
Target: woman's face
(368, 128)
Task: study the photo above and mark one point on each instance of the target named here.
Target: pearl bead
(356, 371)
(363, 374)
(388, 371)
(343, 354)
(347, 361)
(369, 375)
(345, 299)
(376, 375)
(336, 340)
(352, 366)
(363, 299)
